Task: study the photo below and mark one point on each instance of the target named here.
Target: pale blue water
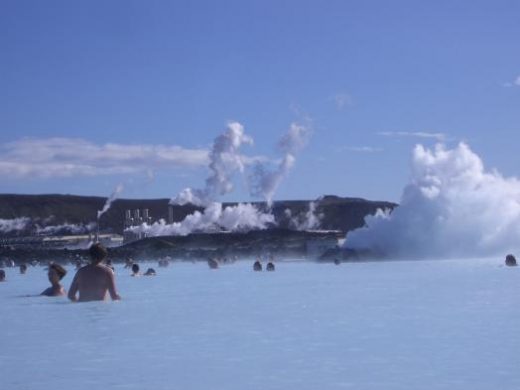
(395, 325)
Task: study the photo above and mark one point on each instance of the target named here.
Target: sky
(99, 93)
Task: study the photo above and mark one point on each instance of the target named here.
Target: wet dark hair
(97, 252)
(23, 267)
(59, 270)
(135, 268)
(2, 274)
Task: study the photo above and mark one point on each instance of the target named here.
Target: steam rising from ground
(263, 181)
(65, 228)
(37, 226)
(306, 221)
(15, 224)
(225, 160)
(214, 218)
(110, 199)
(451, 207)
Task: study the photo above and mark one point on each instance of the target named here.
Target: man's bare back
(93, 281)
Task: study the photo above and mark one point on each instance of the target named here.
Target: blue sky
(86, 84)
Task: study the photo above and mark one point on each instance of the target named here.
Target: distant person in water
(149, 272)
(55, 274)
(510, 260)
(94, 280)
(135, 269)
(23, 268)
(2, 275)
(257, 266)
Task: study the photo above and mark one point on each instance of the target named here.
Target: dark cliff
(336, 213)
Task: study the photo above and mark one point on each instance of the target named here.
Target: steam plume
(225, 160)
(451, 207)
(242, 217)
(264, 182)
(109, 201)
(16, 224)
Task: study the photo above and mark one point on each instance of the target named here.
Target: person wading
(95, 280)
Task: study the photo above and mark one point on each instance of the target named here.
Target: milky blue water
(393, 325)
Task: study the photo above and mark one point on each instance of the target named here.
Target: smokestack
(170, 214)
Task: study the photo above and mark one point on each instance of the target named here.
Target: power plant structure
(135, 218)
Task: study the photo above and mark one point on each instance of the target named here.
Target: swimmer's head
(2, 275)
(56, 273)
(23, 268)
(135, 268)
(97, 253)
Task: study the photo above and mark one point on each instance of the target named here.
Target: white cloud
(49, 158)
(67, 157)
(362, 149)
(417, 134)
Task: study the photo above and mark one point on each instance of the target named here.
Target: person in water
(149, 272)
(135, 269)
(23, 268)
(55, 274)
(2, 275)
(94, 280)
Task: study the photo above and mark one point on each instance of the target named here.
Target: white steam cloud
(452, 207)
(264, 182)
(15, 224)
(110, 199)
(224, 161)
(242, 217)
(308, 221)
(65, 228)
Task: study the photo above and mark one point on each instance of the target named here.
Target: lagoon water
(392, 325)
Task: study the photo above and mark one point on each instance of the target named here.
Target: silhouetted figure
(135, 269)
(269, 266)
(149, 272)
(2, 275)
(212, 263)
(257, 266)
(23, 268)
(94, 280)
(55, 274)
(510, 260)
(337, 261)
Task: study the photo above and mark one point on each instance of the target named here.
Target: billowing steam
(214, 218)
(451, 207)
(308, 221)
(15, 224)
(110, 199)
(65, 228)
(225, 160)
(42, 227)
(263, 181)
